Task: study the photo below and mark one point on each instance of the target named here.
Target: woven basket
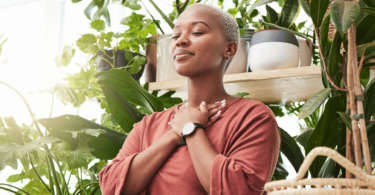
(365, 184)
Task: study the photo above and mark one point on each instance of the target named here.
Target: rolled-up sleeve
(112, 177)
(250, 160)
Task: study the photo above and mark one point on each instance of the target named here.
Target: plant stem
(353, 107)
(54, 175)
(325, 66)
(53, 98)
(37, 127)
(153, 19)
(4, 184)
(358, 92)
(9, 190)
(36, 172)
(349, 139)
(169, 22)
(361, 64)
(101, 58)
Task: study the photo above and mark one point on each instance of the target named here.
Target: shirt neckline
(226, 107)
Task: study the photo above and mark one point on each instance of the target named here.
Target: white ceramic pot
(273, 49)
(305, 53)
(239, 63)
(165, 71)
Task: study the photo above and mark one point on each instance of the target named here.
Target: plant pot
(151, 55)
(240, 62)
(273, 49)
(248, 36)
(305, 53)
(120, 61)
(165, 71)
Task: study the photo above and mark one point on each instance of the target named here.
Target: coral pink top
(246, 138)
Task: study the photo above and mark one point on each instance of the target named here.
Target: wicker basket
(365, 184)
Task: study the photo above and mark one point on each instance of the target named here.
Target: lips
(182, 54)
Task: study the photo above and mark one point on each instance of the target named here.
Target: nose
(182, 41)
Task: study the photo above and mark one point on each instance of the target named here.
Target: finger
(215, 110)
(203, 107)
(213, 118)
(212, 106)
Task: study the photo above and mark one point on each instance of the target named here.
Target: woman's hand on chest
(205, 115)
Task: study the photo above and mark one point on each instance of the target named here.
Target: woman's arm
(202, 155)
(145, 165)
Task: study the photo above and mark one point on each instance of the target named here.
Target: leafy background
(35, 70)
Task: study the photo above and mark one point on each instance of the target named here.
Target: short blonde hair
(228, 24)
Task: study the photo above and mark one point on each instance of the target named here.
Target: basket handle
(325, 151)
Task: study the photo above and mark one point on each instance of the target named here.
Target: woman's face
(198, 45)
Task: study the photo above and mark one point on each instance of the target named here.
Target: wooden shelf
(273, 86)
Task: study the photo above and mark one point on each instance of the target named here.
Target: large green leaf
(361, 48)
(364, 76)
(370, 3)
(317, 10)
(124, 113)
(324, 34)
(129, 89)
(256, 4)
(102, 10)
(365, 30)
(286, 29)
(288, 13)
(291, 150)
(77, 157)
(343, 13)
(334, 55)
(10, 152)
(305, 6)
(281, 171)
(304, 136)
(369, 10)
(169, 101)
(369, 103)
(369, 64)
(98, 25)
(87, 44)
(67, 94)
(65, 58)
(346, 119)
(106, 145)
(328, 169)
(313, 103)
(272, 15)
(327, 132)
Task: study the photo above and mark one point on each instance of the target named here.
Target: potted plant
(273, 48)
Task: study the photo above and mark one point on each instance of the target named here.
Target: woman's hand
(205, 115)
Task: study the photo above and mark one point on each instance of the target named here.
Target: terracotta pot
(151, 55)
(273, 49)
(305, 53)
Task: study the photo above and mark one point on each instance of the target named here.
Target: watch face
(188, 128)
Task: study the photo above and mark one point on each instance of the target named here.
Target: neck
(208, 88)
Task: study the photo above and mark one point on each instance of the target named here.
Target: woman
(232, 145)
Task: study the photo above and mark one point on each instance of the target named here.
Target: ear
(230, 50)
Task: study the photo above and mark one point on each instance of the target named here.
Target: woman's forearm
(147, 163)
(202, 155)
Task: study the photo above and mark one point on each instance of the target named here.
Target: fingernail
(223, 101)
(218, 112)
(218, 102)
(187, 104)
(204, 103)
(223, 104)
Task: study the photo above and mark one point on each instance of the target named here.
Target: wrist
(173, 137)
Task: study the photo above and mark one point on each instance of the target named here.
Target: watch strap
(196, 125)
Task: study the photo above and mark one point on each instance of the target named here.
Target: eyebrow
(193, 23)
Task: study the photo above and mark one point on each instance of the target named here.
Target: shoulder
(253, 108)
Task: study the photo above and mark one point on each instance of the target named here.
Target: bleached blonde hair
(227, 23)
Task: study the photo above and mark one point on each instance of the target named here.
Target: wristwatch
(188, 129)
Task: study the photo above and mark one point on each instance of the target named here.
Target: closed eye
(174, 37)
